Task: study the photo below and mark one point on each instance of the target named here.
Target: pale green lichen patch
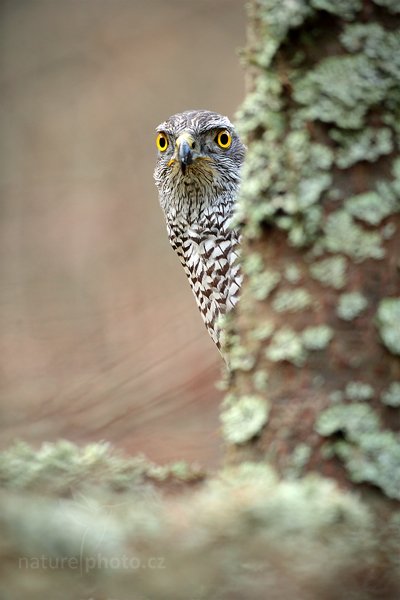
(336, 396)
(388, 322)
(262, 284)
(263, 331)
(243, 418)
(350, 305)
(284, 511)
(292, 300)
(286, 345)
(374, 458)
(391, 396)
(331, 272)
(342, 8)
(59, 466)
(287, 173)
(210, 539)
(298, 461)
(396, 175)
(358, 390)
(276, 19)
(356, 418)
(292, 273)
(368, 144)
(292, 171)
(342, 234)
(261, 280)
(380, 46)
(388, 231)
(240, 358)
(317, 337)
(260, 380)
(253, 264)
(370, 454)
(294, 203)
(229, 339)
(261, 109)
(340, 90)
(391, 5)
(392, 120)
(371, 207)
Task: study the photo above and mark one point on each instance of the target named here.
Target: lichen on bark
(321, 193)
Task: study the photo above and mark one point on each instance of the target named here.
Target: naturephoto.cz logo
(85, 564)
(92, 533)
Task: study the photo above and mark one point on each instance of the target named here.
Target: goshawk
(197, 175)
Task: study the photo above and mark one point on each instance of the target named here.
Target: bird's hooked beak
(184, 150)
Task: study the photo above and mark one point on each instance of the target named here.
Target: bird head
(199, 160)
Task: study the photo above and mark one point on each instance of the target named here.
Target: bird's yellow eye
(223, 139)
(162, 142)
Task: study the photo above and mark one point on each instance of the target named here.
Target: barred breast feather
(209, 253)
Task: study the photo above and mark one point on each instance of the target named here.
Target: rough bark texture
(315, 381)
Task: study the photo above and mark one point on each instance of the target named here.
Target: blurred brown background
(100, 337)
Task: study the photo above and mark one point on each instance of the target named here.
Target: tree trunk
(315, 343)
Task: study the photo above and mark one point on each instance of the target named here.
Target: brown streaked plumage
(198, 176)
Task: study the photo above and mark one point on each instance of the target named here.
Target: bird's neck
(201, 215)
